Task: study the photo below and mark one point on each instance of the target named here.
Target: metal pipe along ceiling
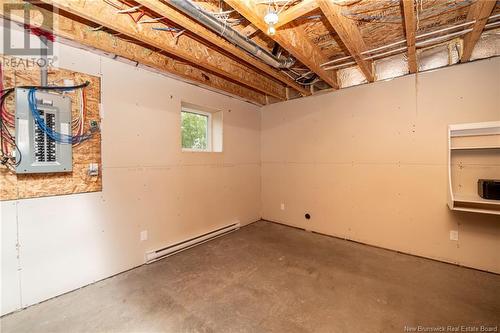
(197, 14)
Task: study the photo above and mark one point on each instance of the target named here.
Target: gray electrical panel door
(38, 152)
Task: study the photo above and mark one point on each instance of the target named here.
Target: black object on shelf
(489, 189)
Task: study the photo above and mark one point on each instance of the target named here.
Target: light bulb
(271, 30)
(271, 17)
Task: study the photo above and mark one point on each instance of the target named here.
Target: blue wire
(54, 135)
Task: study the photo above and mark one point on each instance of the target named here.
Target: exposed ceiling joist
(249, 31)
(479, 11)
(84, 35)
(221, 59)
(300, 9)
(349, 34)
(199, 30)
(410, 29)
(293, 39)
(183, 47)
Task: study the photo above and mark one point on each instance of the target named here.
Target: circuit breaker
(38, 152)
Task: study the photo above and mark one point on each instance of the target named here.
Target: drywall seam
(18, 245)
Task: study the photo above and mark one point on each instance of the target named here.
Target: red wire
(4, 113)
(7, 118)
(141, 14)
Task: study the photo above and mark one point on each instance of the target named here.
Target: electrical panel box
(38, 152)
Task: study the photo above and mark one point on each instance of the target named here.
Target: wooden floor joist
(86, 36)
(169, 40)
(174, 16)
(296, 11)
(349, 34)
(249, 31)
(479, 11)
(183, 47)
(409, 20)
(292, 38)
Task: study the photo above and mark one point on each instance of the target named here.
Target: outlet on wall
(454, 235)
(282, 206)
(144, 235)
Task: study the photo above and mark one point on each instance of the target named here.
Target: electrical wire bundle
(78, 123)
(224, 17)
(7, 122)
(128, 11)
(141, 13)
(54, 135)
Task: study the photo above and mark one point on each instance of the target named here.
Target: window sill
(186, 150)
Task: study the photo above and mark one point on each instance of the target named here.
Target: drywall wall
(369, 163)
(56, 244)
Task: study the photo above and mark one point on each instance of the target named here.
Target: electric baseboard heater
(169, 250)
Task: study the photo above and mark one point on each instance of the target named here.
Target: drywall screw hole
(307, 216)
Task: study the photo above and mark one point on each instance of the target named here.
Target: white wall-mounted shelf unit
(473, 154)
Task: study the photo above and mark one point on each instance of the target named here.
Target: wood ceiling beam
(300, 9)
(178, 18)
(410, 29)
(249, 31)
(183, 47)
(293, 39)
(84, 35)
(479, 11)
(349, 34)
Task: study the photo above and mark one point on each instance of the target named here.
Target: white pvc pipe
(341, 65)
(493, 16)
(417, 37)
(489, 25)
(386, 53)
(458, 33)
(403, 49)
(336, 60)
(384, 47)
(445, 29)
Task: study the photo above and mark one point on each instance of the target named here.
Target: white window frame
(209, 130)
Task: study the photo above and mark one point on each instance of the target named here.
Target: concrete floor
(271, 278)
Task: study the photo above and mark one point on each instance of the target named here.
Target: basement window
(201, 129)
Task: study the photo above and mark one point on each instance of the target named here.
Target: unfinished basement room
(249, 166)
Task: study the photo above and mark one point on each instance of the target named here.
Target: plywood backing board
(24, 186)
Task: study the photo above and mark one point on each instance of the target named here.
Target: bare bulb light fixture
(271, 18)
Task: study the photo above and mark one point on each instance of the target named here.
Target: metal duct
(191, 10)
